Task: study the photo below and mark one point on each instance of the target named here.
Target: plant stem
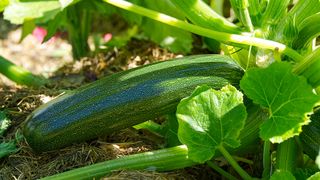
(220, 170)
(220, 36)
(246, 17)
(19, 74)
(242, 11)
(266, 160)
(286, 155)
(234, 163)
(241, 159)
(199, 13)
(160, 160)
(309, 68)
(78, 26)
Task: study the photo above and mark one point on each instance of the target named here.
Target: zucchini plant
(274, 45)
(20, 75)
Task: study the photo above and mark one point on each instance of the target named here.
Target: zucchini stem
(220, 170)
(266, 160)
(20, 75)
(234, 163)
(286, 155)
(220, 36)
(160, 160)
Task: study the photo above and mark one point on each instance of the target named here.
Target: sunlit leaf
(316, 176)
(19, 11)
(209, 119)
(3, 4)
(288, 98)
(66, 3)
(27, 28)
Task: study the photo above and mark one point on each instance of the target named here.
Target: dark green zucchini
(124, 99)
(310, 136)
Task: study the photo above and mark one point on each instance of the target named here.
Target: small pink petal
(39, 33)
(107, 37)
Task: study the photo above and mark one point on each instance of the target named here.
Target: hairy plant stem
(220, 36)
(20, 75)
(309, 68)
(78, 26)
(160, 160)
(266, 160)
(242, 11)
(286, 155)
(234, 163)
(220, 170)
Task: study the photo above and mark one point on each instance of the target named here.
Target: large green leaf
(288, 98)
(209, 119)
(19, 11)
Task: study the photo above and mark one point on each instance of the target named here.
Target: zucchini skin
(310, 136)
(124, 99)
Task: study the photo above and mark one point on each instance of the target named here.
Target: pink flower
(39, 33)
(107, 37)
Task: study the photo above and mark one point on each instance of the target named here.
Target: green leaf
(282, 175)
(27, 28)
(122, 39)
(17, 11)
(209, 119)
(55, 24)
(3, 4)
(305, 173)
(66, 3)
(288, 98)
(130, 17)
(316, 176)
(176, 40)
(171, 131)
(4, 123)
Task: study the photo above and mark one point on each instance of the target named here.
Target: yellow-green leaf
(209, 119)
(288, 98)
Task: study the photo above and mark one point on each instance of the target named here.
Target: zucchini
(310, 136)
(124, 99)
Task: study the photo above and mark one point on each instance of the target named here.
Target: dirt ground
(53, 60)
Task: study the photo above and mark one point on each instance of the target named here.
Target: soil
(53, 60)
